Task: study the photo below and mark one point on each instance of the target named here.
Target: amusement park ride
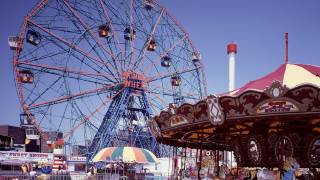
(265, 122)
(97, 70)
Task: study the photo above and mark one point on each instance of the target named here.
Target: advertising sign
(277, 106)
(25, 156)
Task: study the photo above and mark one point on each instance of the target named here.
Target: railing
(106, 176)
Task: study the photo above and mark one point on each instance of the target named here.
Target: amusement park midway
(160, 89)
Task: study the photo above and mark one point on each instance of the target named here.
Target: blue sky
(257, 26)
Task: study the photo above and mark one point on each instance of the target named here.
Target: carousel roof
(290, 75)
(288, 97)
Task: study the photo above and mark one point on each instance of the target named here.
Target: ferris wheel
(96, 70)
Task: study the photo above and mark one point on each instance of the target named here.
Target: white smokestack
(232, 51)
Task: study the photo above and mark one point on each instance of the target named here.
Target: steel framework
(96, 70)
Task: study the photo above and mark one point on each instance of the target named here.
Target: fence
(76, 177)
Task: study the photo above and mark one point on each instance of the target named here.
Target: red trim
(232, 48)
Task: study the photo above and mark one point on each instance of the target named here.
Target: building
(18, 136)
(25, 139)
(79, 150)
(17, 133)
(6, 143)
(50, 137)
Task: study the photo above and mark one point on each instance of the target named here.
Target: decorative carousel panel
(186, 110)
(242, 105)
(308, 96)
(162, 120)
(216, 115)
(201, 111)
(276, 90)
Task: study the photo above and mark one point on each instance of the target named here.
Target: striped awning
(126, 154)
(291, 75)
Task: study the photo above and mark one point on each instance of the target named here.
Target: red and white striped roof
(291, 75)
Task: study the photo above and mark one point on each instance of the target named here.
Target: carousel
(263, 123)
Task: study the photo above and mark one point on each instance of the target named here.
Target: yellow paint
(272, 130)
(238, 126)
(166, 135)
(275, 124)
(249, 124)
(316, 129)
(208, 130)
(296, 75)
(315, 121)
(245, 132)
(194, 136)
(97, 157)
(128, 154)
(102, 154)
(235, 133)
(27, 141)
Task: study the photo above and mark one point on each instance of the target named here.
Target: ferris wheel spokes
(165, 53)
(87, 118)
(141, 56)
(114, 33)
(74, 96)
(63, 70)
(87, 28)
(78, 49)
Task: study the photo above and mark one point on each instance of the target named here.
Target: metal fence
(76, 177)
(61, 177)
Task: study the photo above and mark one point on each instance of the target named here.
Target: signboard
(77, 158)
(277, 106)
(25, 156)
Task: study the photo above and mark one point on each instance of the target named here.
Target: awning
(291, 75)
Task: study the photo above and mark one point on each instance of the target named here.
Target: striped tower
(59, 158)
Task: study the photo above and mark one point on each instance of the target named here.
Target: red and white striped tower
(59, 159)
(232, 51)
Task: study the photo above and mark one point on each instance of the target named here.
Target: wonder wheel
(97, 70)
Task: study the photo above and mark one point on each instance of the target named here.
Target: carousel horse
(290, 165)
